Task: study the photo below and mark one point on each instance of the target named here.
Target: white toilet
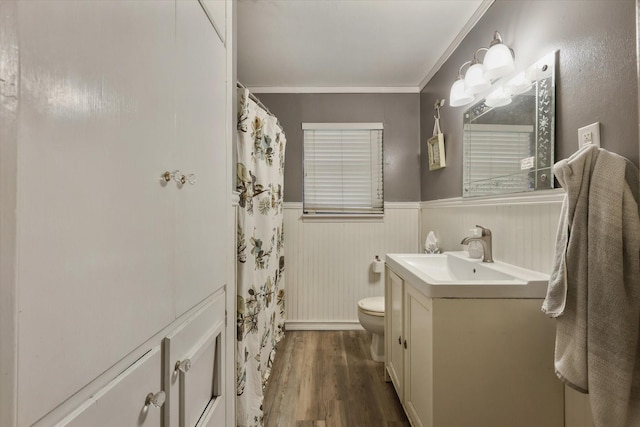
(371, 317)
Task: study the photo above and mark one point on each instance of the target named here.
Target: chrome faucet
(485, 240)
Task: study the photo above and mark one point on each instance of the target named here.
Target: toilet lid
(373, 304)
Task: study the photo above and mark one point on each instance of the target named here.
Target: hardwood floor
(328, 379)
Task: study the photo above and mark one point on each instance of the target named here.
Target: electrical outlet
(589, 135)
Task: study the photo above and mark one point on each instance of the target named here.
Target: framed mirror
(508, 142)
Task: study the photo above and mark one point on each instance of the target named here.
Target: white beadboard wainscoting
(328, 262)
(523, 227)
(524, 232)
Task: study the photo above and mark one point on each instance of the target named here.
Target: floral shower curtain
(260, 264)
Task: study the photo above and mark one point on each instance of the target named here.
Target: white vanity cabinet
(418, 357)
(111, 254)
(472, 362)
(394, 336)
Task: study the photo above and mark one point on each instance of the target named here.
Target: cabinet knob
(183, 365)
(178, 177)
(175, 175)
(399, 340)
(191, 179)
(405, 344)
(156, 399)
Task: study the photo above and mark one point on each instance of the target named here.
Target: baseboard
(296, 325)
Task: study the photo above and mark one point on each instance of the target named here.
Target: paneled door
(395, 331)
(418, 359)
(95, 258)
(200, 155)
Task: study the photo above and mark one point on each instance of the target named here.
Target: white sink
(455, 275)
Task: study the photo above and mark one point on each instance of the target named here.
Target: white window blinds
(495, 151)
(343, 168)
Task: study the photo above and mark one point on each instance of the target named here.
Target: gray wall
(596, 76)
(400, 114)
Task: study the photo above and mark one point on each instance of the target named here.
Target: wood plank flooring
(328, 379)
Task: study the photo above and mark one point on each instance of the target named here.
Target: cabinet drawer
(123, 402)
(194, 358)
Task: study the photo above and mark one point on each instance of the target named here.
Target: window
(496, 152)
(343, 168)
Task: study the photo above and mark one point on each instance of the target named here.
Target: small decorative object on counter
(475, 247)
(431, 244)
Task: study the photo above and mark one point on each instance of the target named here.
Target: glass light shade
(474, 80)
(497, 62)
(498, 98)
(519, 84)
(458, 96)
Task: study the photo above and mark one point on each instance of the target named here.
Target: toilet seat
(373, 306)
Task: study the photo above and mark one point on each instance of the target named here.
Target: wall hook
(437, 105)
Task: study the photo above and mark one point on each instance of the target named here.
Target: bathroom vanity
(467, 345)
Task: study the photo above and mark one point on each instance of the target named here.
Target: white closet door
(216, 9)
(95, 256)
(200, 150)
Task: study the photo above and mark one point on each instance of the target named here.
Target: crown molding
(479, 13)
(336, 89)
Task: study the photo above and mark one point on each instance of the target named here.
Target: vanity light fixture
(498, 61)
(475, 80)
(518, 84)
(498, 98)
(458, 95)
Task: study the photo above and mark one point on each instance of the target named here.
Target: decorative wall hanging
(435, 144)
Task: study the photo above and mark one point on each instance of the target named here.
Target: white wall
(328, 263)
(523, 227)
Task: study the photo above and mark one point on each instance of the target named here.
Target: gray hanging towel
(594, 288)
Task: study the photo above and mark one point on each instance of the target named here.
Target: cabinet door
(195, 366)
(394, 333)
(418, 386)
(131, 399)
(200, 150)
(94, 255)
(216, 10)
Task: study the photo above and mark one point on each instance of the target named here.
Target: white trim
(539, 197)
(209, 15)
(334, 89)
(235, 198)
(479, 13)
(402, 205)
(341, 126)
(295, 325)
(342, 217)
(387, 205)
(293, 205)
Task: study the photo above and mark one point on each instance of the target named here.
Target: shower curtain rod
(260, 104)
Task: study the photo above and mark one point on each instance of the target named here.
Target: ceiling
(348, 45)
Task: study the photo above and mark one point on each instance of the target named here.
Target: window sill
(343, 218)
